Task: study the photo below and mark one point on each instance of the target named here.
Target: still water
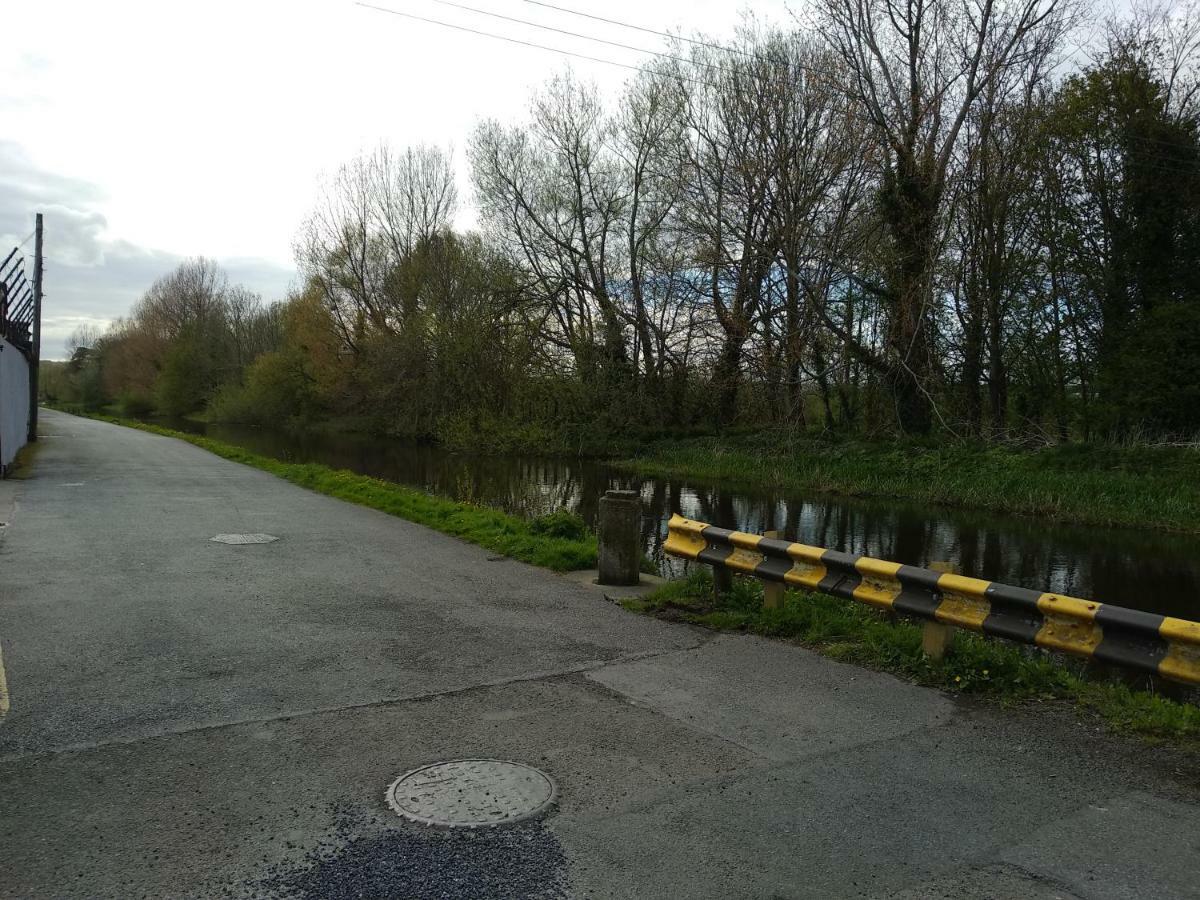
(1140, 569)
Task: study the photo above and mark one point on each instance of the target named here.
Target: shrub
(135, 405)
(560, 524)
(276, 392)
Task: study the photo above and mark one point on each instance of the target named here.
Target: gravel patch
(410, 861)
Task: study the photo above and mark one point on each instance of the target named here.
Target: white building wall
(14, 402)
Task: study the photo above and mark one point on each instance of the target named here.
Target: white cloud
(202, 129)
(91, 277)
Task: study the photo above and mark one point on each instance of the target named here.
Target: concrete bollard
(620, 537)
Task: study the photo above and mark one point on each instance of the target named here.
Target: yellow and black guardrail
(1162, 645)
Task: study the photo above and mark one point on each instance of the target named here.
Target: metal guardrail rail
(1148, 642)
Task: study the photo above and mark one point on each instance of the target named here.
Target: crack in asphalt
(528, 677)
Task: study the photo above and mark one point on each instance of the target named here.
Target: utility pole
(35, 360)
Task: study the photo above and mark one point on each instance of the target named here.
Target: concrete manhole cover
(472, 793)
(244, 538)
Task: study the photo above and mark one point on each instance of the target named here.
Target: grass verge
(977, 666)
(1093, 484)
(559, 541)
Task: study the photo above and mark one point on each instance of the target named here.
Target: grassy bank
(1136, 486)
(558, 541)
(857, 634)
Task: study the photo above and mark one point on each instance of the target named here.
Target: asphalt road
(194, 719)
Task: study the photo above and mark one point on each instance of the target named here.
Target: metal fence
(16, 302)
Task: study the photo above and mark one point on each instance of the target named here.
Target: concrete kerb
(588, 578)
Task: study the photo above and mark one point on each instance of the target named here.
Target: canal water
(1148, 570)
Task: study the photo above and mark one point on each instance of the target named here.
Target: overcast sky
(151, 131)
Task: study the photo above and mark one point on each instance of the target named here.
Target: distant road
(196, 719)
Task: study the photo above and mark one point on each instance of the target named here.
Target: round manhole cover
(244, 538)
(471, 793)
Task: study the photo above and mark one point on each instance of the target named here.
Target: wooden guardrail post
(936, 637)
(772, 590)
(722, 581)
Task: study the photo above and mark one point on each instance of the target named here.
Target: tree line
(903, 216)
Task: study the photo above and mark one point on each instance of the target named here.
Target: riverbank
(1110, 485)
(1090, 484)
(558, 541)
(975, 666)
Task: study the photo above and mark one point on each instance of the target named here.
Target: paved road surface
(193, 719)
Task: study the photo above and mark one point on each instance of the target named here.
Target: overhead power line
(606, 61)
(659, 53)
(675, 37)
(585, 37)
(695, 42)
(501, 37)
(1164, 166)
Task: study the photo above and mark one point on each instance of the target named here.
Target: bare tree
(415, 197)
(82, 342)
(917, 67)
(726, 207)
(552, 196)
(817, 149)
(995, 224)
(190, 297)
(254, 329)
(370, 216)
(648, 129)
(1167, 36)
